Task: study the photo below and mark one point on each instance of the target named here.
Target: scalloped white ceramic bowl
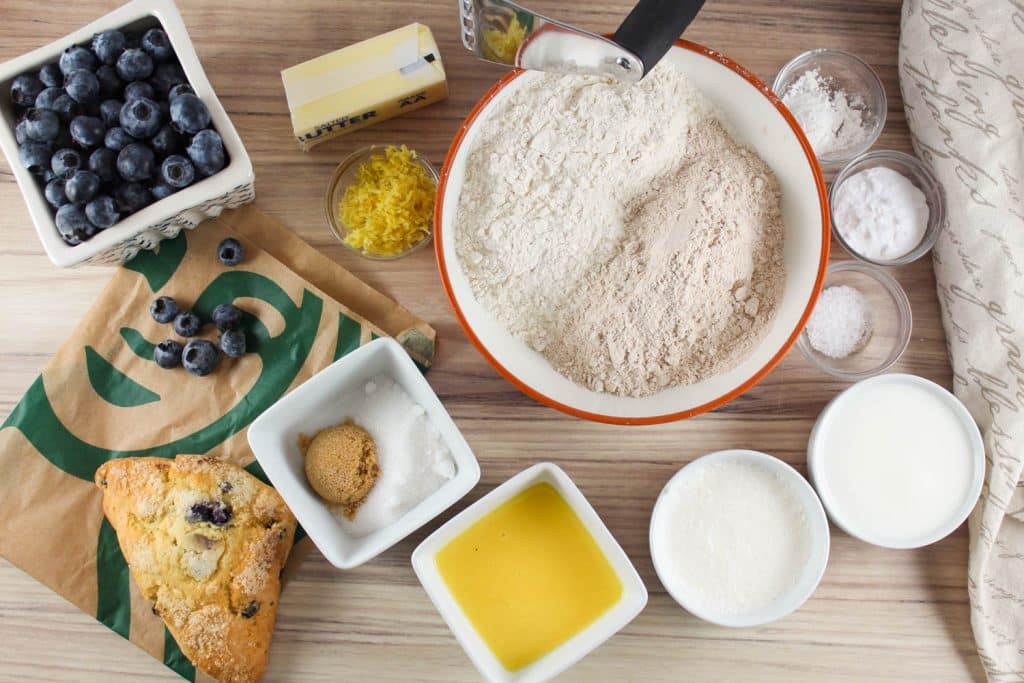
(229, 188)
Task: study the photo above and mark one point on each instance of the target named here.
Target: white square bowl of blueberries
(117, 139)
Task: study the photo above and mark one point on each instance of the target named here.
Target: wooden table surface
(878, 614)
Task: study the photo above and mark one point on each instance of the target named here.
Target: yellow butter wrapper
(362, 84)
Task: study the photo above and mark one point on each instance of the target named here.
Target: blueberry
(72, 224)
(65, 162)
(167, 354)
(42, 125)
(136, 162)
(166, 142)
(117, 139)
(111, 84)
(166, 76)
(187, 324)
(82, 86)
(77, 57)
(21, 132)
(163, 309)
(137, 89)
(55, 99)
(82, 186)
(155, 42)
(162, 191)
(140, 117)
(250, 610)
(110, 112)
(180, 89)
(103, 162)
(230, 252)
(177, 171)
(48, 175)
(200, 357)
(25, 89)
(131, 197)
(227, 317)
(34, 156)
(189, 114)
(214, 511)
(87, 131)
(54, 193)
(134, 65)
(206, 151)
(232, 343)
(51, 75)
(109, 45)
(102, 211)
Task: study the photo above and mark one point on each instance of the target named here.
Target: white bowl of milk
(897, 460)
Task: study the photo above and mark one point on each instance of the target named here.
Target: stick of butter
(362, 84)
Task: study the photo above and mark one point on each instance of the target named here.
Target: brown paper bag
(102, 397)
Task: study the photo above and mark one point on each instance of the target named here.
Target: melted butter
(529, 576)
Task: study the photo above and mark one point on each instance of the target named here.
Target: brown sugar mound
(341, 465)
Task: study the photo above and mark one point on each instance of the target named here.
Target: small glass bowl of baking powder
(860, 325)
(918, 175)
(838, 100)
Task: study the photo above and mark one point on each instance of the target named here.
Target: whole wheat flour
(621, 231)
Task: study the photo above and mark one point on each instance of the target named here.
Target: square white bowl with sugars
(630, 603)
(230, 187)
(316, 404)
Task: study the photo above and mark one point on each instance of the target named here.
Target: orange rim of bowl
(819, 181)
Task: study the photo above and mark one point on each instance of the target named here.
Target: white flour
(832, 120)
(620, 231)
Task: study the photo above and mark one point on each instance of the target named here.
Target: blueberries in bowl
(189, 114)
(99, 130)
(41, 125)
(136, 162)
(87, 131)
(108, 46)
(25, 89)
(82, 86)
(207, 152)
(134, 65)
(82, 186)
(140, 117)
(177, 171)
(77, 57)
(102, 212)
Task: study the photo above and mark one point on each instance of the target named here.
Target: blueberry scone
(205, 542)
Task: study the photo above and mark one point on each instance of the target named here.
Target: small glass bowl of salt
(860, 325)
(838, 100)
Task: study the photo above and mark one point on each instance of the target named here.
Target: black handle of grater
(653, 26)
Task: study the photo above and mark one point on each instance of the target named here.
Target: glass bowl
(890, 316)
(344, 176)
(847, 72)
(918, 174)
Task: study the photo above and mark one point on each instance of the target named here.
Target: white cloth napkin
(962, 75)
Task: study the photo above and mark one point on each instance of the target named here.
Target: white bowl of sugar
(739, 538)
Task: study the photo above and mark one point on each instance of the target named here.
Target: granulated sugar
(832, 120)
(733, 538)
(620, 231)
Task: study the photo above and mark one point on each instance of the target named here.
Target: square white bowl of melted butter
(321, 402)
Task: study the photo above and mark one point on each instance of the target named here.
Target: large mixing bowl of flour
(757, 119)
